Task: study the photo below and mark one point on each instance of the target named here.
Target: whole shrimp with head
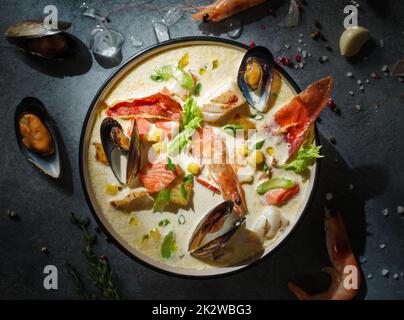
(345, 273)
(222, 9)
(216, 228)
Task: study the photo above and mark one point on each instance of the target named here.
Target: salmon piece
(155, 106)
(297, 117)
(279, 197)
(156, 176)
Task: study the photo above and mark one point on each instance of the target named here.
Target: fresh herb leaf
(170, 165)
(232, 128)
(258, 145)
(266, 168)
(188, 179)
(169, 245)
(184, 192)
(274, 183)
(162, 200)
(198, 89)
(181, 219)
(305, 157)
(99, 268)
(78, 283)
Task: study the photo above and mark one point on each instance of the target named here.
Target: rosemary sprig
(80, 288)
(99, 269)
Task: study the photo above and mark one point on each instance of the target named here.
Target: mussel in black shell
(214, 230)
(255, 77)
(33, 37)
(123, 153)
(37, 137)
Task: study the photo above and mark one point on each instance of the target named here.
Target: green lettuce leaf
(191, 120)
(191, 114)
(305, 157)
(167, 72)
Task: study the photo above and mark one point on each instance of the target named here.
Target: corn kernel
(256, 157)
(133, 221)
(193, 168)
(112, 189)
(270, 151)
(155, 135)
(242, 149)
(155, 234)
(202, 71)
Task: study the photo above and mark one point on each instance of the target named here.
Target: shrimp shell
(222, 9)
(341, 256)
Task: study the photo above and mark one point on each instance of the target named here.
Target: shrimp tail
(299, 292)
(345, 281)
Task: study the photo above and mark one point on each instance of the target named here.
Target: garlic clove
(352, 40)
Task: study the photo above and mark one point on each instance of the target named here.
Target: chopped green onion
(215, 64)
(170, 165)
(232, 128)
(164, 222)
(181, 219)
(266, 168)
(274, 183)
(258, 145)
(169, 245)
(257, 116)
(198, 89)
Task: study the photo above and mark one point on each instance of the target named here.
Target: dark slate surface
(369, 150)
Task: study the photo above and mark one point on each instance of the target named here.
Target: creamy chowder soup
(158, 214)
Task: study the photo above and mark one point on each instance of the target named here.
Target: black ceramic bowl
(85, 178)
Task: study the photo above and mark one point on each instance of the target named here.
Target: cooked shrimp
(222, 9)
(345, 273)
(222, 173)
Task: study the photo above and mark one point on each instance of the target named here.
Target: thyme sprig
(99, 268)
(79, 285)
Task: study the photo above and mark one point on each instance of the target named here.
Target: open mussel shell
(255, 77)
(214, 230)
(50, 164)
(33, 37)
(123, 154)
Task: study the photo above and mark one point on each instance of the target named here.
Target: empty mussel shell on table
(37, 136)
(34, 37)
(255, 77)
(123, 154)
(214, 230)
